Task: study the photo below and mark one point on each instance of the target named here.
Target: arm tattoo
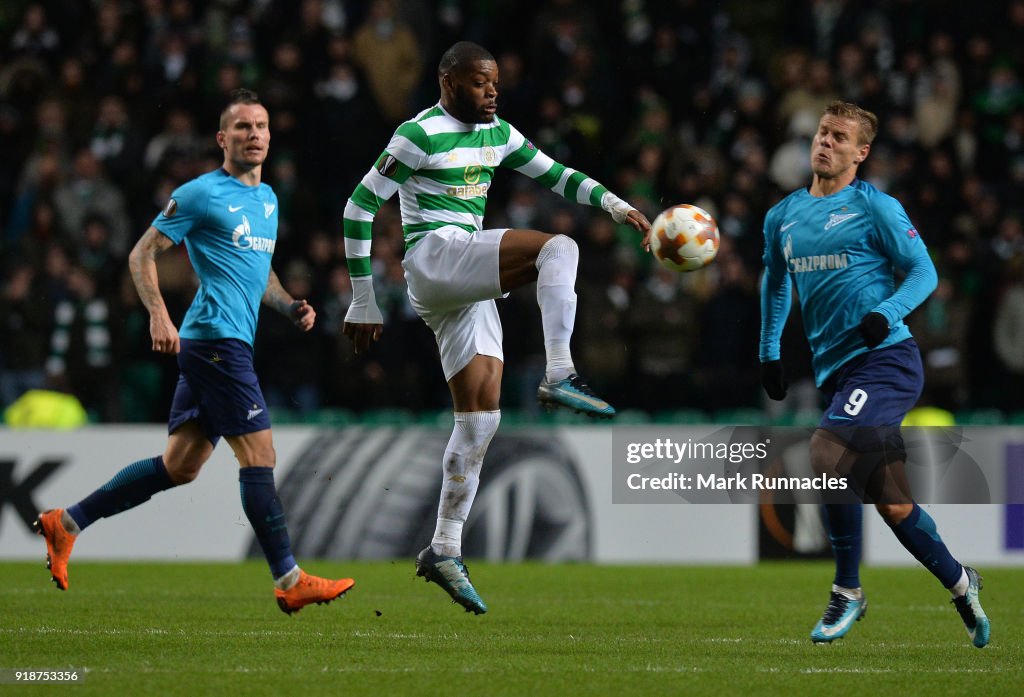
(276, 296)
(142, 263)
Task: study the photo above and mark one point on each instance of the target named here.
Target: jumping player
(441, 163)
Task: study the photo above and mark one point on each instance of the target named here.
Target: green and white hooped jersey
(442, 169)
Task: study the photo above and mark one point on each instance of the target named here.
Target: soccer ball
(684, 238)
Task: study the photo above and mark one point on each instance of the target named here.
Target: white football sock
(70, 526)
(556, 295)
(960, 587)
(463, 459)
(851, 593)
(289, 579)
(447, 540)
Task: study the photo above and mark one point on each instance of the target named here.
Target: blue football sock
(845, 532)
(917, 533)
(133, 485)
(263, 509)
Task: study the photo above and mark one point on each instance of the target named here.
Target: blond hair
(867, 121)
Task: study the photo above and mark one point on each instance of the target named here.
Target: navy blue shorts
(218, 388)
(871, 394)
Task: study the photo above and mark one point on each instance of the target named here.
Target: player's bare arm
(300, 312)
(142, 263)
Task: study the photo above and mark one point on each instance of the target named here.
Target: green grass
(194, 629)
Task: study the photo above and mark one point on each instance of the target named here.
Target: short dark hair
(237, 96)
(460, 55)
(867, 121)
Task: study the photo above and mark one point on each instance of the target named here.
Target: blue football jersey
(230, 231)
(840, 251)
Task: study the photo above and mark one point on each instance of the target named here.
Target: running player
(228, 221)
(441, 163)
(838, 241)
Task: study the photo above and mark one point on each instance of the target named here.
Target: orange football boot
(59, 543)
(311, 589)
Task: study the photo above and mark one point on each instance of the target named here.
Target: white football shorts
(453, 278)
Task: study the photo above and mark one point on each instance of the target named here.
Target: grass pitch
(214, 629)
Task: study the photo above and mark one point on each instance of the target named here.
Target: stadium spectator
(140, 377)
(94, 254)
(294, 383)
(941, 332)
(806, 90)
(77, 94)
(24, 334)
(87, 191)
(603, 316)
(35, 38)
(178, 141)
(726, 328)
(346, 109)
(80, 360)
(663, 339)
(218, 393)
(387, 51)
(1008, 336)
(115, 143)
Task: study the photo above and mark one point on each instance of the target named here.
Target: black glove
(773, 379)
(874, 328)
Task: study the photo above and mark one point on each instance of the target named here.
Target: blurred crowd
(107, 105)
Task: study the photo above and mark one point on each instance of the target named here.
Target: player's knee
(481, 429)
(472, 434)
(489, 392)
(823, 460)
(560, 247)
(261, 457)
(829, 456)
(183, 470)
(894, 513)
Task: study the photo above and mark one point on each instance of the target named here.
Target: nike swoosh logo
(451, 572)
(234, 209)
(836, 628)
(833, 417)
(596, 403)
(788, 225)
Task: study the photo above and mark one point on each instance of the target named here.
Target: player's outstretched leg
(918, 534)
(453, 576)
(969, 607)
(845, 607)
(557, 262)
(59, 543)
(309, 589)
(133, 485)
